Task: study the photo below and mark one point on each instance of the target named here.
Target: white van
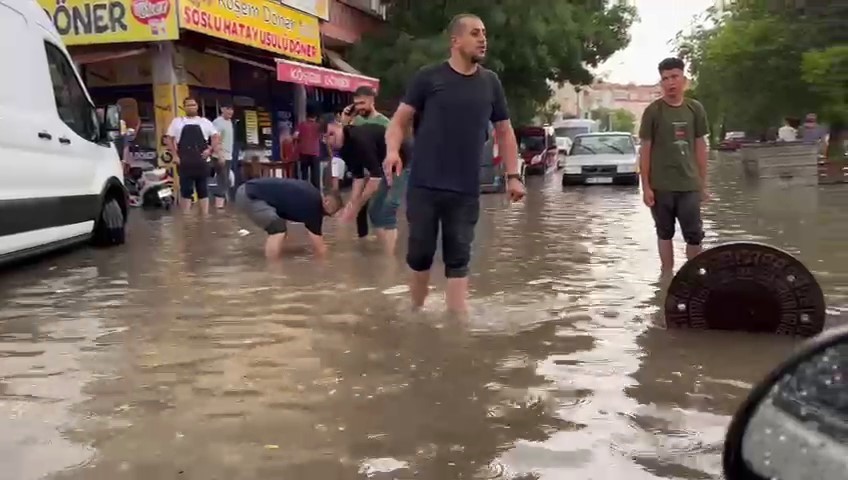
(61, 180)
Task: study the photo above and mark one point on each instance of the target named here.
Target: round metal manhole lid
(748, 287)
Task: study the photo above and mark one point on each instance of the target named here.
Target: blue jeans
(386, 201)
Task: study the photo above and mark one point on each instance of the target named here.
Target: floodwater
(183, 356)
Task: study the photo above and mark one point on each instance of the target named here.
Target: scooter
(149, 186)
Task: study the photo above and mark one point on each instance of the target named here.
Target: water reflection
(183, 355)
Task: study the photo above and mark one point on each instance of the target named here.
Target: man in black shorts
(270, 202)
(363, 148)
(673, 163)
(452, 103)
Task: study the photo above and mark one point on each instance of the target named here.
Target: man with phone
(362, 112)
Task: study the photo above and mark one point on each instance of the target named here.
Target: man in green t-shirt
(673, 162)
(361, 112)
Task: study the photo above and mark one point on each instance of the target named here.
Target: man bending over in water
(270, 202)
(363, 148)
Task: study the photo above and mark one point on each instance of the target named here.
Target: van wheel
(110, 228)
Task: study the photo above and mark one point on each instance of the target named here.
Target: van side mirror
(111, 121)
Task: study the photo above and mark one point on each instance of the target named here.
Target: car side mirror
(794, 424)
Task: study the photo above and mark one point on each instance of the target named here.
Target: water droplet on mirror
(805, 318)
(767, 432)
(681, 307)
(790, 278)
(767, 462)
(702, 271)
(782, 438)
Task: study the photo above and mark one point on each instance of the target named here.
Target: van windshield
(570, 132)
(603, 144)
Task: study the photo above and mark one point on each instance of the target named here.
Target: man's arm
(171, 136)
(645, 163)
(701, 154)
(318, 244)
(646, 135)
(507, 144)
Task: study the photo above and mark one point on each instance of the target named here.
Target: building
(581, 101)
(269, 58)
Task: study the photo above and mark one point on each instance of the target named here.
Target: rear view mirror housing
(794, 423)
(110, 120)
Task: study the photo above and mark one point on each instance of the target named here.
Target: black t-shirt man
(453, 112)
(294, 200)
(364, 149)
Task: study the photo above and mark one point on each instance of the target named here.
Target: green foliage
(827, 73)
(766, 59)
(614, 120)
(530, 48)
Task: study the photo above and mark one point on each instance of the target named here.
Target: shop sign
(86, 22)
(262, 24)
(316, 8)
(310, 76)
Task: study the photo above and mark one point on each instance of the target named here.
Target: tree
(762, 61)
(530, 48)
(614, 120)
(827, 73)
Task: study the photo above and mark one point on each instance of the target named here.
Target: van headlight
(627, 168)
(572, 169)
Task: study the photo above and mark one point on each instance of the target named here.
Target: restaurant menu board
(251, 127)
(266, 130)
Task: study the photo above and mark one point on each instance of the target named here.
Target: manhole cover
(746, 286)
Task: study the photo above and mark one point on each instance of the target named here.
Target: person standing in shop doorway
(191, 140)
(362, 112)
(223, 158)
(308, 138)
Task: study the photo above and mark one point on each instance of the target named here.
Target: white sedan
(602, 158)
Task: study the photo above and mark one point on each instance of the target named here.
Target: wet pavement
(183, 356)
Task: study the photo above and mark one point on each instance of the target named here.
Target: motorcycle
(149, 186)
(794, 424)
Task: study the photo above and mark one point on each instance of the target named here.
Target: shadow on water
(183, 355)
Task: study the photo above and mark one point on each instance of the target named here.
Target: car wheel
(110, 227)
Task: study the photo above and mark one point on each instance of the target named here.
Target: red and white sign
(294, 72)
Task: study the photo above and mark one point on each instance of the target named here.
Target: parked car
(602, 158)
(537, 146)
(492, 172)
(732, 141)
(62, 180)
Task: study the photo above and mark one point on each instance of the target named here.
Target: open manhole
(749, 287)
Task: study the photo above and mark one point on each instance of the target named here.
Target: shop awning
(337, 61)
(105, 55)
(311, 76)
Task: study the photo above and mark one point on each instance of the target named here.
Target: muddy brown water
(183, 356)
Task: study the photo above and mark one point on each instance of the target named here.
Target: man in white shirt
(787, 133)
(191, 140)
(223, 158)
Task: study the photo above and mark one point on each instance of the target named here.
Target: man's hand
(349, 213)
(648, 197)
(705, 195)
(205, 154)
(392, 166)
(515, 189)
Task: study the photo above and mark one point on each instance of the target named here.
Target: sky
(660, 20)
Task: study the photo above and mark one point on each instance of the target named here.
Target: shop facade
(149, 55)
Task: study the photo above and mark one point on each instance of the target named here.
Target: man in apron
(192, 139)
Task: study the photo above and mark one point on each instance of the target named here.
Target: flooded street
(183, 356)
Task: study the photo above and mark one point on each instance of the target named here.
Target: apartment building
(581, 101)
